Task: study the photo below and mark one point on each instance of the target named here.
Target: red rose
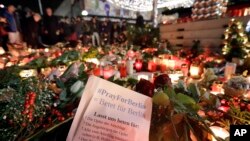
(162, 80)
(145, 87)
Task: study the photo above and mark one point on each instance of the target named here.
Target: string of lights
(147, 5)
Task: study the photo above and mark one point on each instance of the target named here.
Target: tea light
(219, 132)
(229, 70)
(194, 71)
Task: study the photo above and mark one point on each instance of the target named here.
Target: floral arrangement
(180, 111)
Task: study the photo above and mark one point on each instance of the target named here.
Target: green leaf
(194, 91)
(132, 81)
(111, 79)
(120, 82)
(170, 92)
(186, 100)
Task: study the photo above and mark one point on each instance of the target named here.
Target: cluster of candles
(130, 67)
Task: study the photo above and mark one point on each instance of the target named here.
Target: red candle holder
(97, 71)
(123, 70)
(151, 66)
(108, 72)
(138, 65)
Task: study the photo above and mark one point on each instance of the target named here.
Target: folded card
(109, 112)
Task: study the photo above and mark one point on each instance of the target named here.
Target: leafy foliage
(66, 58)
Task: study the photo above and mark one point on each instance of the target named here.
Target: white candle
(194, 71)
(171, 64)
(130, 67)
(219, 132)
(229, 70)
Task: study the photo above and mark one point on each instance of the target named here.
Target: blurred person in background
(12, 28)
(94, 27)
(50, 28)
(33, 31)
(3, 34)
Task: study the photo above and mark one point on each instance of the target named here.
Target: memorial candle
(171, 64)
(138, 65)
(194, 71)
(129, 66)
(123, 70)
(164, 64)
(108, 72)
(151, 66)
(184, 69)
(229, 70)
(97, 71)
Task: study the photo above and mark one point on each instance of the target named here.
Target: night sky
(33, 4)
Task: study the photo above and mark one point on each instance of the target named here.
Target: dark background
(33, 4)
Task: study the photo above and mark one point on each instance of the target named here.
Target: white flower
(4, 117)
